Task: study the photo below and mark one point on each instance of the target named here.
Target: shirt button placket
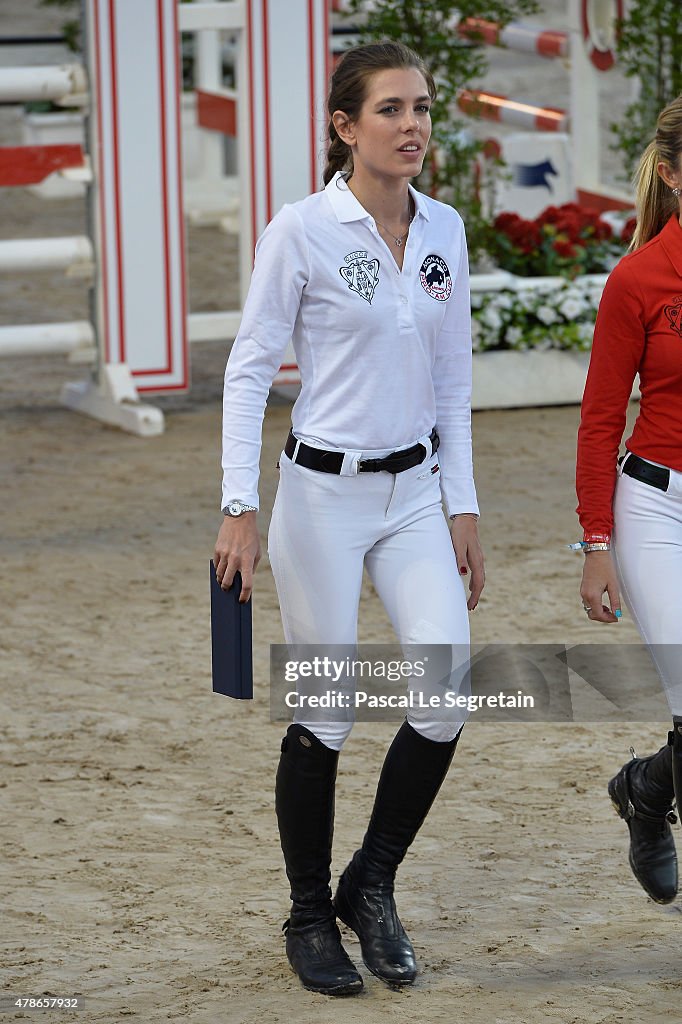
(404, 318)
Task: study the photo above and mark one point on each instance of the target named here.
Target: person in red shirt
(631, 508)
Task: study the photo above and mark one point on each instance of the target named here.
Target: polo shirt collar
(347, 208)
(671, 239)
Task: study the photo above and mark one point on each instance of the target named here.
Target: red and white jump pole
(504, 110)
(524, 38)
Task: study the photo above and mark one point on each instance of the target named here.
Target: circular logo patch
(435, 278)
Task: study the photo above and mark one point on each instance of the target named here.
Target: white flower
(513, 335)
(546, 314)
(492, 318)
(504, 300)
(527, 299)
(585, 331)
(572, 307)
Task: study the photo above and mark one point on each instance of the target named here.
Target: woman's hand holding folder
(237, 549)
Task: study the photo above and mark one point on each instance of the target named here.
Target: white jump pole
(28, 254)
(47, 339)
(19, 85)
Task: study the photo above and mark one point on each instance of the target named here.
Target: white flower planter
(513, 380)
(518, 380)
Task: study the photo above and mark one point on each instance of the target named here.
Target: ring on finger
(587, 608)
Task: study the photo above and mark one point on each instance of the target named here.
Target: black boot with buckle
(411, 776)
(642, 794)
(304, 802)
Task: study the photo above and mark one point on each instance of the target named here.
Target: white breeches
(326, 528)
(647, 548)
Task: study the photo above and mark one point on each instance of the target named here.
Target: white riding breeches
(647, 549)
(326, 528)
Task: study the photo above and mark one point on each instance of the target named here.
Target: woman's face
(392, 132)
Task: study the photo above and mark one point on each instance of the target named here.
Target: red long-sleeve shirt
(638, 329)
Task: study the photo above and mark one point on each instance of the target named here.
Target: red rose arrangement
(566, 240)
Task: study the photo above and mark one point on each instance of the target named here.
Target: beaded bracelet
(583, 546)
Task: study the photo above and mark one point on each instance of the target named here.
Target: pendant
(399, 241)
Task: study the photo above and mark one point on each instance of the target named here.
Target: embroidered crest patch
(673, 314)
(435, 278)
(361, 274)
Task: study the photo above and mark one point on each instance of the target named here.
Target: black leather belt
(640, 469)
(331, 462)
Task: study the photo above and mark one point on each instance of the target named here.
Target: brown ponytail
(348, 88)
(655, 200)
(339, 156)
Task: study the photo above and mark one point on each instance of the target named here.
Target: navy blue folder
(231, 640)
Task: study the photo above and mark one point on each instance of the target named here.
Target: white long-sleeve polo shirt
(384, 354)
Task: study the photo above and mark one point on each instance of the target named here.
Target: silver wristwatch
(237, 507)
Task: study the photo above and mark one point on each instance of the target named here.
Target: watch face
(235, 508)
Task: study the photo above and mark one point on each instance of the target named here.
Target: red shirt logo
(673, 314)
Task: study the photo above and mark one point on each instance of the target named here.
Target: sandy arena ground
(140, 859)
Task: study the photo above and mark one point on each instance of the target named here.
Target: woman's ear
(344, 127)
(671, 179)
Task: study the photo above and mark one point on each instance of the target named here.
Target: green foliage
(425, 26)
(649, 48)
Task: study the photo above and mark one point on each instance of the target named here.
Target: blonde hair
(655, 200)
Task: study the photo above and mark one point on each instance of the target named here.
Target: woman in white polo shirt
(370, 279)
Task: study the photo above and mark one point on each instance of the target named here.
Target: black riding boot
(642, 794)
(411, 776)
(304, 802)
